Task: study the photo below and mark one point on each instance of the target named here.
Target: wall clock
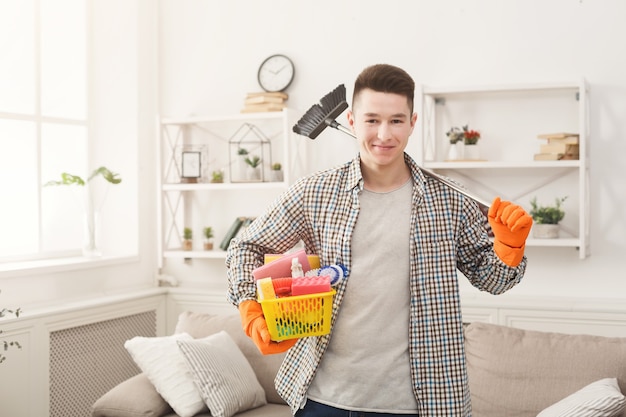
(276, 73)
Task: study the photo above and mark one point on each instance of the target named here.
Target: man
(396, 342)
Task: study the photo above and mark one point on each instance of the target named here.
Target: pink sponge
(310, 285)
(281, 267)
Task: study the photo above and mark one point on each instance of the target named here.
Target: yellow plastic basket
(298, 316)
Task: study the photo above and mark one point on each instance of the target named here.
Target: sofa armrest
(134, 397)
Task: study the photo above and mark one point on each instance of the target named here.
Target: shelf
(201, 204)
(501, 88)
(501, 164)
(560, 242)
(510, 117)
(239, 186)
(277, 115)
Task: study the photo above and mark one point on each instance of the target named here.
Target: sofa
(512, 372)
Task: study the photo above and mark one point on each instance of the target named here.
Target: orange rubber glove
(510, 224)
(255, 327)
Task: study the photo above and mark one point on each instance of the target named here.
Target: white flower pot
(545, 231)
(471, 152)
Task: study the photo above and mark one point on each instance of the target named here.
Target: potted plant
(254, 172)
(187, 238)
(6, 344)
(276, 172)
(90, 248)
(546, 218)
(455, 136)
(208, 238)
(242, 154)
(470, 140)
(217, 176)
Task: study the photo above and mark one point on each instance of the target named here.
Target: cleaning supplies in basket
(297, 301)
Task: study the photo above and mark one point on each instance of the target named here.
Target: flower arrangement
(455, 135)
(470, 137)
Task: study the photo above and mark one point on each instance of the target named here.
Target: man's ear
(350, 117)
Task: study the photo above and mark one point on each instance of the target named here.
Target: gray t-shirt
(366, 366)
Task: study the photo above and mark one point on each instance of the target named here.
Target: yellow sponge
(265, 289)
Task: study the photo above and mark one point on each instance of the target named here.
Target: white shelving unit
(201, 204)
(509, 118)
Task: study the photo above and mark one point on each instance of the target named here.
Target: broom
(322, 115)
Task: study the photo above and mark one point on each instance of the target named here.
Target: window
(43, 126)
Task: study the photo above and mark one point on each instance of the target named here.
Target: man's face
(382, 123)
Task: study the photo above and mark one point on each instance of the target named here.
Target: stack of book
(263, 102)
(236, 228)
(559, 146)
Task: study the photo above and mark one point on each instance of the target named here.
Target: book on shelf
(263, 100)
(559, 135)
(279, 94)
(232, 232)
(563, 138)
(263, 107)
(564, 148)
(555, 157)
(247, 221)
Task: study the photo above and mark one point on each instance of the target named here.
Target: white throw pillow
(222, 374)
(598, 399)
(161, 361)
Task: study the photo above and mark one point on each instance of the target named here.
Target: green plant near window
(276, 166)
(208, 232)
(254, 162)
(242, 151)
(6, 344)
(547, 214)
(187, 233)
(70, 179)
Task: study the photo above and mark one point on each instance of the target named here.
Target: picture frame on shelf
(191, 166)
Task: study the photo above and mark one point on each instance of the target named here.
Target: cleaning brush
(324, 114)
(321, 115)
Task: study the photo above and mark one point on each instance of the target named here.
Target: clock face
(276, 73)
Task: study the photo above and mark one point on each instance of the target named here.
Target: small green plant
(547, 214)
(187, 233)
(254, 162)
(242, 151)
(217, 176)
(70, 179)
(276, 166)
(6, 344)
(208, 232)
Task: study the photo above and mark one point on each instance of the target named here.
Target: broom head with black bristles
(321, 115)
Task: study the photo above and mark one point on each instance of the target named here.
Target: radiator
(88, 360)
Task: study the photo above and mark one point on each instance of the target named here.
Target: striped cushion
(222, 374)
(598, 399)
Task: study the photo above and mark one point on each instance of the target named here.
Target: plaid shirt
(449, 233)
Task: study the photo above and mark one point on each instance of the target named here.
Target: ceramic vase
(471, 152)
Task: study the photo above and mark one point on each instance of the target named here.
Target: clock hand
(281, 68)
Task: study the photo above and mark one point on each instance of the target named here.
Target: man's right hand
(255, 327)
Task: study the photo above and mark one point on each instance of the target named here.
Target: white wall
(210, 52)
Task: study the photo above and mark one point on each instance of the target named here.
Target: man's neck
(382, 179)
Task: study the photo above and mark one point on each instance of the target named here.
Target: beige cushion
(135, 397)
(598, 399)
(222, 375)
(518, 373)
(265, 367)
(160, 359)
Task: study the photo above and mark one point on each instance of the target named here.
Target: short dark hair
(386, 78)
